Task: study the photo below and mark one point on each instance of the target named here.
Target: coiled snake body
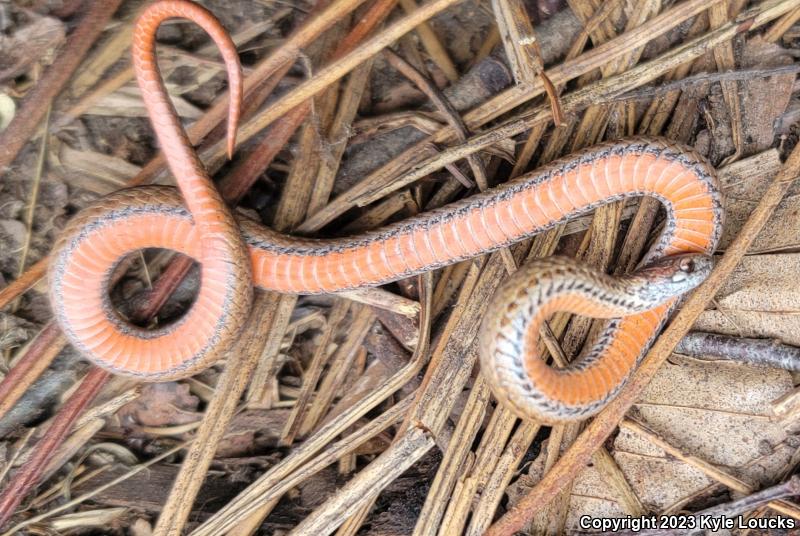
(236, 253)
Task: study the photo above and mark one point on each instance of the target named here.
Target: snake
(236, 254)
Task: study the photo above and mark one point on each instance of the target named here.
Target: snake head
(672, 276)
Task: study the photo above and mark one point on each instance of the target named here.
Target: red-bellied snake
(235, 253)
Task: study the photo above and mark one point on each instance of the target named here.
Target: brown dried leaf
(723, 418)
(96, 172)
(763, 99)
(724, 414)
(761, 102)
(743, 184)
(161, 404)
(127, 102)
(759, 300)
(28, 45)
(252, 431)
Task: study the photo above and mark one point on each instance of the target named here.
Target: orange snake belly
(237, 253)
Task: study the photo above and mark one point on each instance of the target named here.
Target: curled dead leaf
(160, 405)
(28, 45)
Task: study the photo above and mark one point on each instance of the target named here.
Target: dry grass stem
(241, 363)
(430, 41)
(377, 181)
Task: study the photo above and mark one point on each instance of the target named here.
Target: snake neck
(511, 337)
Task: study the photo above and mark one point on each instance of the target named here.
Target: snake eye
(687, 266)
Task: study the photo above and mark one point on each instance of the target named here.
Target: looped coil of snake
(236, 253)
